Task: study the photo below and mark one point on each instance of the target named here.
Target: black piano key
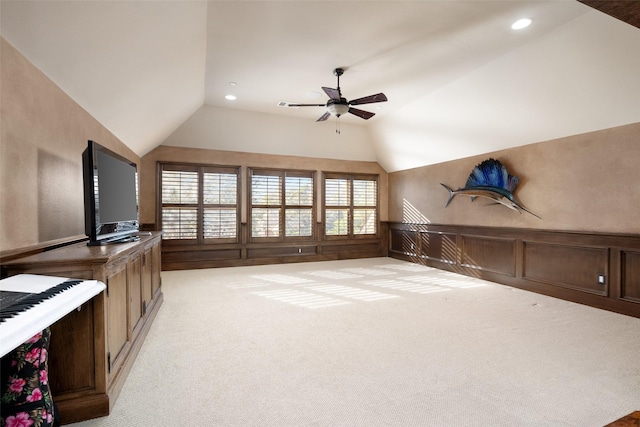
(31, 300)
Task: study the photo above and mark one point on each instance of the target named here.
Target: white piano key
(18, 329)
(30, 283)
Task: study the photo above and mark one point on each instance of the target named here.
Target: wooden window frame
(283, 174)
(350, 207)
(201, 170)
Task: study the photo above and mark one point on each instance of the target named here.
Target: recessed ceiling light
(233, 84)
(521, 23)
(230, 97)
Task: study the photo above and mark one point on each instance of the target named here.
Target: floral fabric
(25, 397)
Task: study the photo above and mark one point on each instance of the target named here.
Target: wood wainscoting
(181, 256)
(599, 270)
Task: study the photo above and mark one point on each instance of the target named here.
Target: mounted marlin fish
(490, 180)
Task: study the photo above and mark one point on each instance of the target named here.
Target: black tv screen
(110, 195)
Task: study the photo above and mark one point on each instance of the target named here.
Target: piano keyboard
(45, 300)
(18, 304)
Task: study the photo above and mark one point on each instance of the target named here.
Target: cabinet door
(117, 324)
(135, 294)
(146, 279)
(155, 269)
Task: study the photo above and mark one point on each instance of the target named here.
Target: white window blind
(220, 213)
(265, 222)
(298, 206)
(365, 195)
(179, 223)
(179, 187)
(180, 204)
(338, 203)
(266, 199)
(337, 222)
(266, 190)
(337, 192)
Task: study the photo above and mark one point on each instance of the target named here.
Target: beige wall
(587, 182)
(42, 135)
(584, 182)
(166, 153)
(229, 129)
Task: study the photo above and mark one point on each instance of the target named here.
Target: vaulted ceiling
(459, 80)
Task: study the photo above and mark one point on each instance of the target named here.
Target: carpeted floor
(374, 342)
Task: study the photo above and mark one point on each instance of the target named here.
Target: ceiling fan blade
(306, 105)
(361, 113)
(378, 97)
(332, 93)
(324, 117)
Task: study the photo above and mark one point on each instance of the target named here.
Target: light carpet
(374, 342)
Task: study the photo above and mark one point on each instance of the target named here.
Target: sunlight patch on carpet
(408, 267)
(350, 292)
(449, 283)
(332, 274)
(247, 285)
(300, 298)
(368, 271)
(283, 279)
(400, 285)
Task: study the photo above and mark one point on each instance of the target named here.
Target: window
(351, 205)
(281, 205)
(199, 203)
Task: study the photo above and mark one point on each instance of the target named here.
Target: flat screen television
(110, 196)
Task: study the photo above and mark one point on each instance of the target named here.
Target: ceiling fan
(337, 105)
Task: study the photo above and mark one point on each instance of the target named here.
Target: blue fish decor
(490, 180)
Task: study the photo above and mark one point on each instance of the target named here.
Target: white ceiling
(460, 81)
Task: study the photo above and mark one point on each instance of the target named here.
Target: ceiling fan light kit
(337, 105)
(337, 109)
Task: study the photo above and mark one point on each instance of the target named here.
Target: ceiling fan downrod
(338, 72)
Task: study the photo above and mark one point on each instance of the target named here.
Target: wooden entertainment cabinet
(94, 347)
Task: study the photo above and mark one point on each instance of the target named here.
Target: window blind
(199, 202)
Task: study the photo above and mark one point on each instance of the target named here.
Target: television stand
(134, 236)
(125, 239)
(93, 348)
